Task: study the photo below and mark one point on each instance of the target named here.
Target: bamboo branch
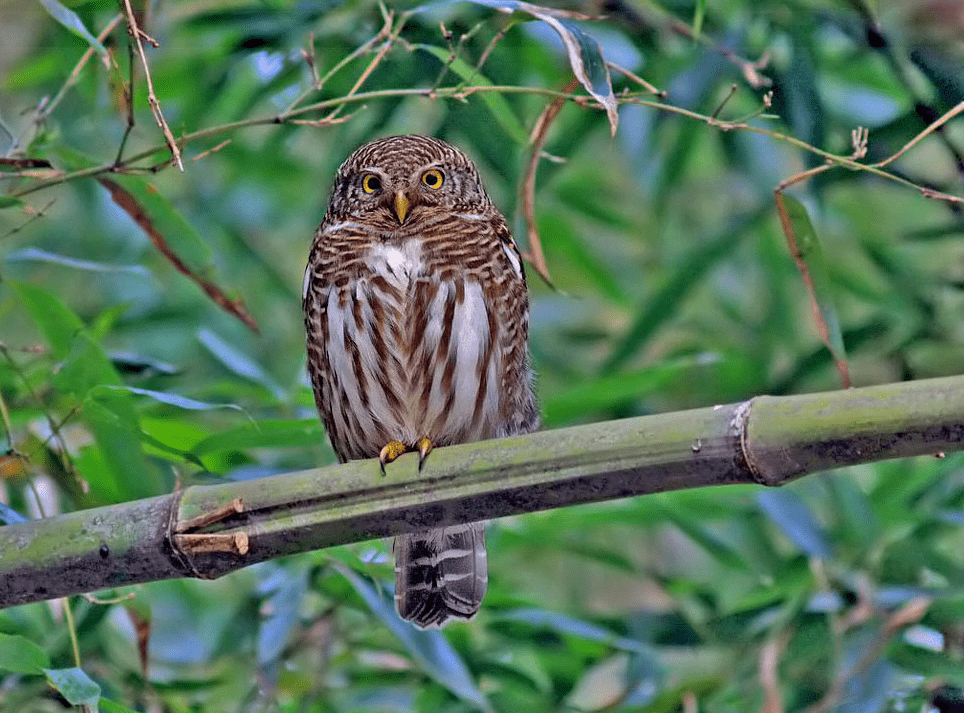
(208, 531)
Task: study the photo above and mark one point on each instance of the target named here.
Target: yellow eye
(433, 178)
(371, 183)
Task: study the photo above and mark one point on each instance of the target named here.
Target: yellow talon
(424, 448)
(391, 451)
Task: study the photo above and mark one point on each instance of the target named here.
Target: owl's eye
(371, 183)
(433, 178)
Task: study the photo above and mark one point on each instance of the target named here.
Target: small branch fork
(137, 35)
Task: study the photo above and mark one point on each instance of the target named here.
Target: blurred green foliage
(674, 288)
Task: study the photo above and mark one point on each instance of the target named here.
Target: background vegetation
(674, 287)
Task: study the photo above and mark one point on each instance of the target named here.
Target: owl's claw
(391, 451)
(424, 448)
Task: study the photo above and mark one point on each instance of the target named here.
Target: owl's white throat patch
(396, 260)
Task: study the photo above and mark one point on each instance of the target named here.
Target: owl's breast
(398, 262)
(411, 355)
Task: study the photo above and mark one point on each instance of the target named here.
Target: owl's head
(401, 180)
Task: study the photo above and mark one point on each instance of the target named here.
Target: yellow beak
(401, 206)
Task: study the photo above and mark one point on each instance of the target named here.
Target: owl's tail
(440, 574)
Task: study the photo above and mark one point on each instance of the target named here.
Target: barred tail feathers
(440, 574)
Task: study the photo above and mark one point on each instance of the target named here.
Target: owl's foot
(393, 449)
(424, 448)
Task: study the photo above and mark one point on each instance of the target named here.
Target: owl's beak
(401, 206)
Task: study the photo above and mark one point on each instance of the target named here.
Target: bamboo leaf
(38, 255)
(287, 588)
(168, 398)
(297, 433)
(790, 513)
(68, 18)
(429, 647)
(74, 685)
(806, 250)
(173, 237)
(496, 103)
(614, 389)
(21, 655)
(572, 626)
(585, 56)
(238, 362)
(53, 318)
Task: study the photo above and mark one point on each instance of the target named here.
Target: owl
(417, 317)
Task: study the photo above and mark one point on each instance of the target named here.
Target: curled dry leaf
(585, 56)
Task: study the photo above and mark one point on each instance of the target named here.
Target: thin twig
(379, 56)
(137, 34)
(948, 115)
(36, 215)
(127, 94)
(78, 68)
(661, 93)
(54, 428)
(458, 92)
(729, 95)
(362, 49)
(213, 149)
(768, 668)
(492, 43)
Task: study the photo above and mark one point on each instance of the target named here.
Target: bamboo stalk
(207, 531)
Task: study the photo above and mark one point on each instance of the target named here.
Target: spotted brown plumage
(417, 318)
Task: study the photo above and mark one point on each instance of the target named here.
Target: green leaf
(298, 433)
(156, 210)
(583, 51)
(572, 626)
(113, 422)
(699, 12)
(806, 250)
(287, 587)
(10, 202)
(496, 103)
(667, 301)
(428, 647)
(74, 685)
(561, 238)
(168, 399)
(107, 706)
(38, 255)
(709, 541)
(790, 513)
(68, 18)
(58, 324)
(238, 362)
(612, 390)
(21, 655)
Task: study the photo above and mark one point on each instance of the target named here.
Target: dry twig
(137, 35)
(534, 255)
(75, 73)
